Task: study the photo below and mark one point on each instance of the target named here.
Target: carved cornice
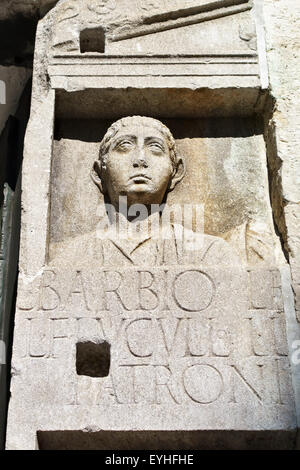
(191, 12)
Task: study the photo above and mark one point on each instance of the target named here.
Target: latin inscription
(189, 290)
(182, 335)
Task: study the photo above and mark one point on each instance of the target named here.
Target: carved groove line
(179, 23)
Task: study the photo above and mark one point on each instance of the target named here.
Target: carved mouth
(140, 178)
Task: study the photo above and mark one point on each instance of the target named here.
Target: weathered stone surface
(283, 51)
(143, 344)
(216, 161)
(134, 29)
(178, 362)
(146, 44)
(176, 331)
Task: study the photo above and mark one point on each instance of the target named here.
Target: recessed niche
(92, 40)
(93, 358)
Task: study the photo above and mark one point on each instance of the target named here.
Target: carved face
(138, 166)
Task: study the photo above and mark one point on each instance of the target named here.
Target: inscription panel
(188, 336)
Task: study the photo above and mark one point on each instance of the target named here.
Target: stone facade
(126, 339)
(283, 50)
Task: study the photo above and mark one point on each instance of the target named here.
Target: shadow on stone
(162, 440)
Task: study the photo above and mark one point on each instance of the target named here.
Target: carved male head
(138, 159)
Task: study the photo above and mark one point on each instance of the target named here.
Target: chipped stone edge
(293, 334)
(257, 13)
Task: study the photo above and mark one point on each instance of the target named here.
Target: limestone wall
(282, 22)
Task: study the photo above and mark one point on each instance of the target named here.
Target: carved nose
(140, 161)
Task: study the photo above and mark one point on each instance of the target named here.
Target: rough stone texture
(188, 340)
(293, 334)
(132, 30)
(283, 50)
(178, 362)
(214, 150)
(282, 21)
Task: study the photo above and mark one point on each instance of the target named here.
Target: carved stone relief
(144, 19)
(137, 167)
(153, 300)
(245, 222)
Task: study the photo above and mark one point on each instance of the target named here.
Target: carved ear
(96, 176)
(178, 173)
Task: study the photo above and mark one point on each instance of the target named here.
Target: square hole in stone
(92, 40)
(93, 358)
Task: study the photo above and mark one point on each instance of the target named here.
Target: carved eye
(124, 145)
(156, 147)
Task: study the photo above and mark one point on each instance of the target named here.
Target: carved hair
(137, 121)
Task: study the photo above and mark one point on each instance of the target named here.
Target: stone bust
(138, 162)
